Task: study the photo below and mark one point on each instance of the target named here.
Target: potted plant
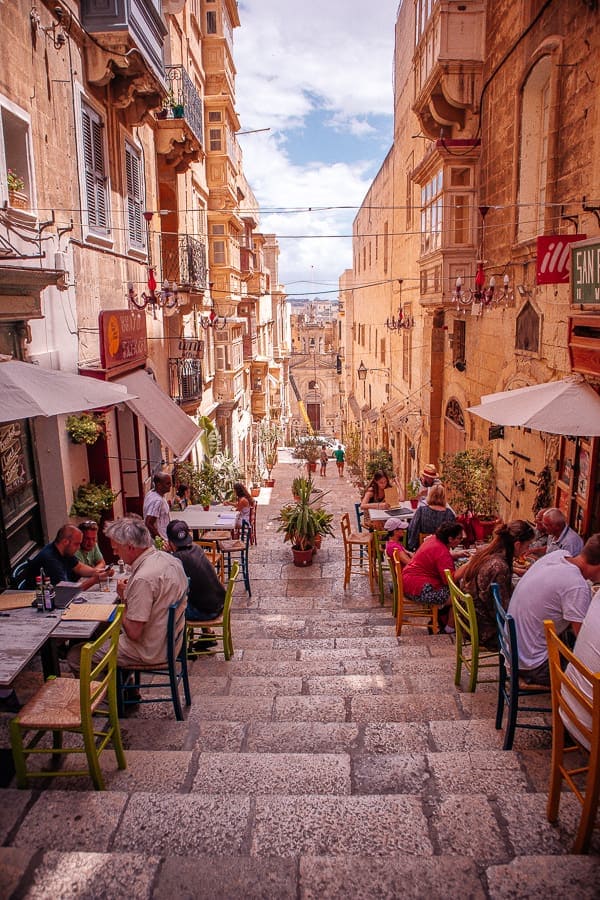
(301, 522)
(84, 429)
(17, 197)
(268, 439)
(470, 481)
(412, 491)
(297, 485)
(308, 449)
(90, 500)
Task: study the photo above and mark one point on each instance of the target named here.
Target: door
(314, 414)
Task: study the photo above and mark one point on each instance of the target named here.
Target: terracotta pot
(206, 508)
(483, 528)
(255, 492)
(414, 503)
(318, 541)
(312, 467)
(270, 482)
(302, 557)
(18, 200)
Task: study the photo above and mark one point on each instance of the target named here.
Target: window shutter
(134, 198)
(95, 170)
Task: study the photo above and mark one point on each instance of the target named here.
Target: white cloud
(331, 56)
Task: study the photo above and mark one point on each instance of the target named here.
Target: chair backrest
(245, 531)
(345, 527)
(507, 632)
(359, 515)
(210, 548)
(579, 712)
(253, 523)
(235, 570)
(176, 645)
(96, 678)
(17, 578)
(379, 541)
(464, 611)
(396, 568)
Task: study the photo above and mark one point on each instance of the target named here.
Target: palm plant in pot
(301, 522)
(308, 449)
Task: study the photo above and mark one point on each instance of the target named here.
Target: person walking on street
(340, 459)
(323, 458)
(156, 508)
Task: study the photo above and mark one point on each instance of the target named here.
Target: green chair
(510, 691)
(382, 561)
(467, 637)
(174, 668)
(73, 705)
(220, 627)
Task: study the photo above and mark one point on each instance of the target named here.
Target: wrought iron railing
(183, 101)
(185, 378)
(183, 261)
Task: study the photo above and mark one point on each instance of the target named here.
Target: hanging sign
(586, 274)
(554, 257)
(123, 341)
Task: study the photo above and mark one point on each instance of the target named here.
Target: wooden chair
(253, 524)
(575, 712)
(467, 636)
(220, 628)
(362, 542)
(382, 561)
(510, 690)
(74, 705)
(409, 612)
(216, 535)
(238, 547)
(174, 668)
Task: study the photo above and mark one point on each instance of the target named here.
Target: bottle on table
(39, 594)
(121, 566)
(49, 594)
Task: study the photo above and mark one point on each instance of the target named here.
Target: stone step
(487, 828)
(121, 876)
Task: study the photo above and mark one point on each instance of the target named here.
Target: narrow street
(327, 759)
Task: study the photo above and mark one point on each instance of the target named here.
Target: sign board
(554, 257)
(585, 268)
(123, 341)
(12, 459)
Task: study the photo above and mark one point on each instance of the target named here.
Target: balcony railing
(185, 379)
(183, 101)
(183, 261)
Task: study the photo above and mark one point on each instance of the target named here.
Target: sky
(318, 74)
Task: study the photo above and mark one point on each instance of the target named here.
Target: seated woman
(395, 528)
(423, 578)
(374, 496)
(182, 497)
(242, 504)
(494, 562)
(428, 518)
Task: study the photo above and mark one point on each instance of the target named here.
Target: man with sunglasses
(89, 552)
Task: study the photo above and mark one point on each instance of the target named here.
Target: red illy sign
(554, 257)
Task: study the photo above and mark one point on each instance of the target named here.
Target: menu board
(12, 458)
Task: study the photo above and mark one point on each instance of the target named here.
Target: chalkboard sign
(12, 460)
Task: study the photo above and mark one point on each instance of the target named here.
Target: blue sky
(319, 76)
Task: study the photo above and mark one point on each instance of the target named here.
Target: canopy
(569, 406)
(160, 413)
(28, 390)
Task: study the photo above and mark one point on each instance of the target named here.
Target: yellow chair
(72, 704)
(220, 629)
(573, 711)
(409, 612)
(361, 542)
(467, 636)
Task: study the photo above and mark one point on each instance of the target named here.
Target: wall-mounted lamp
(212, 320)
(55, 31)
(166, 298)
(482, 295)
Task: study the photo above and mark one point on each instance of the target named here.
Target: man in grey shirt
(560, 535)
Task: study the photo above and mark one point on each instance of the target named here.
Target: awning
(28, 390)
(354, 406)
(160, 414)
(393, 412)
(568, 407)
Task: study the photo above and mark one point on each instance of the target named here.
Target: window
(95, 170)
(215, 139)
(222, 357)
(533, 161)
(431, 214)
(215, 116)
(460, 213)
(15, 152)
(211, 22)
(219, 253)
(458, 341)
(135, 198)
(528, 329)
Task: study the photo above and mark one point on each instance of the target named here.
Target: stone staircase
(327, 759)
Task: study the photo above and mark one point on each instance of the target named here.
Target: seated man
(539, 544)
(587, 650)
(89, 552)
(556, 588)
(155, 581)
(59, 562)
(207, 595)
(560, 535)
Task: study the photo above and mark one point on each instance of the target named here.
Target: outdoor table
(199, 519)
(382, 515)
(25, 632)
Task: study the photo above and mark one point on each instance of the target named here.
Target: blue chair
(175, 668)
(17, 578)
(239, 547)
(359, 515)
(509, 689)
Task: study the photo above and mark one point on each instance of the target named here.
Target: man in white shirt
(587, 649)
(156, 508)
(560, 535)
(555, 587)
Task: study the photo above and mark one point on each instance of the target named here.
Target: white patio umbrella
(569, 406)
(27, 390)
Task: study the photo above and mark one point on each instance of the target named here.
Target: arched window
(533, 151)
(455, 436)
(528, 329)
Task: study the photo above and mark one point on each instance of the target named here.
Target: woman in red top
(423, 578)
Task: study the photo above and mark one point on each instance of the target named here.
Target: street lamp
(362, 371)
